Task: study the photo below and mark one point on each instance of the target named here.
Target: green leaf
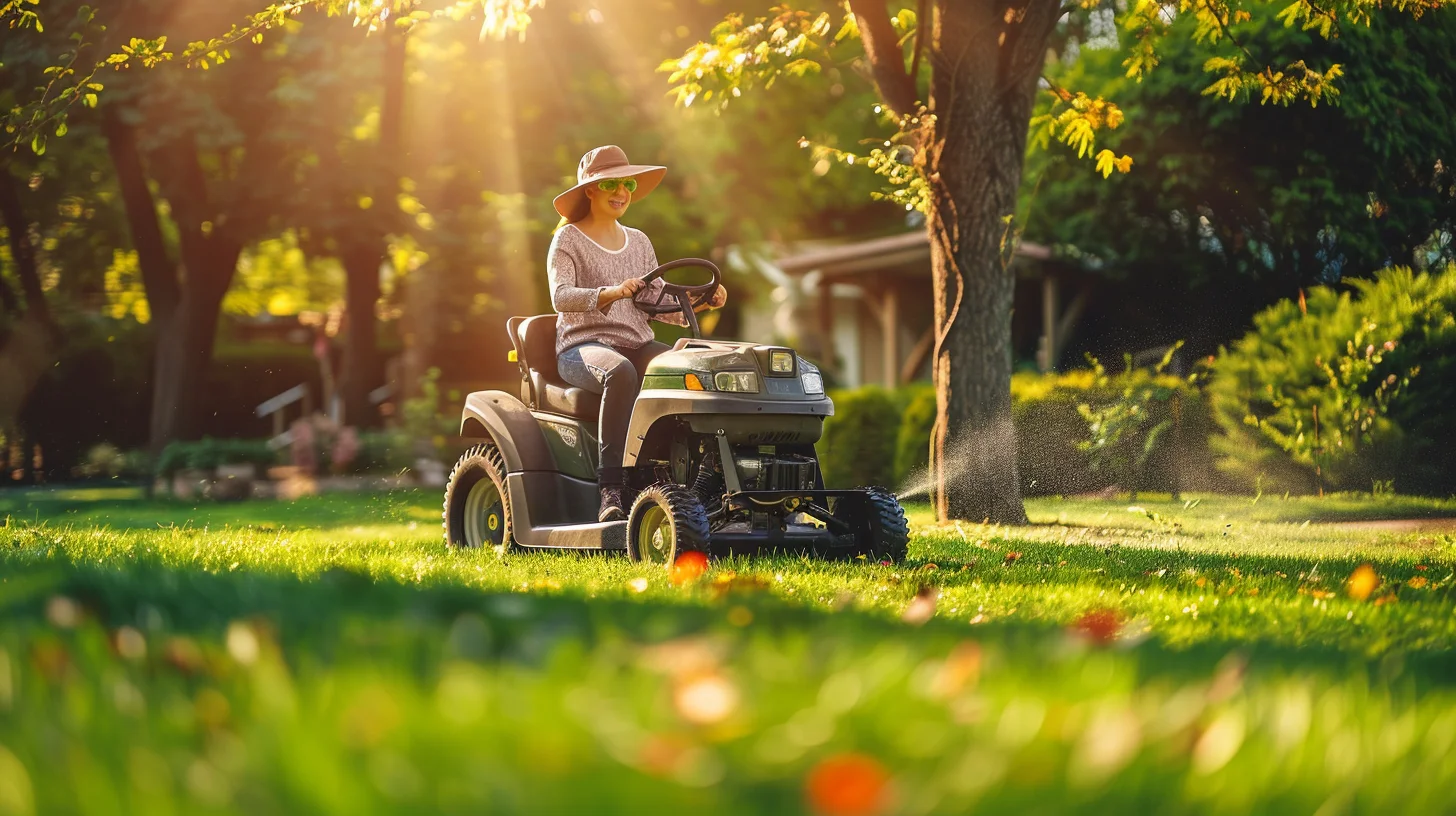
(802, 67)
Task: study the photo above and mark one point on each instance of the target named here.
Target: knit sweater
(578, 269)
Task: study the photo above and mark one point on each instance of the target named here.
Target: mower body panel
(748, 419)
(550, 472)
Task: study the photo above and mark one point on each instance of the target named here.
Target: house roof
(879, 253)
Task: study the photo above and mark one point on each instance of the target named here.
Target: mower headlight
(744, 381)
(781, 362)
(813, 382)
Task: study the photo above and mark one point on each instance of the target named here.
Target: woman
(595, 266)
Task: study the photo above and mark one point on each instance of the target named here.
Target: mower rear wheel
(477, 509)
(887, 532)
(666, 521)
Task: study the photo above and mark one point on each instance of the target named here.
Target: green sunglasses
(610, 185)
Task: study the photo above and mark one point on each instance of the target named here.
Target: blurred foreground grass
(330, 655)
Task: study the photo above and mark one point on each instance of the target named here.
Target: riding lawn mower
(720, 452)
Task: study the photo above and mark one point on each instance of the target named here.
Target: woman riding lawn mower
(714, 439)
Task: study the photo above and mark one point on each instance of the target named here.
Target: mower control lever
(687, 297)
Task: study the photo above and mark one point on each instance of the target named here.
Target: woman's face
(608, 203)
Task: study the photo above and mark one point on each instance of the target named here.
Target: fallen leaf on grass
(726, 583)
(1362, 582)
(961, 669)
(848, 785)
(663, 754)
(1418, 582)
(689, 567)
(62, 612)
(705, 699)
(922, 606)
(1098, 625)
(1011, 558)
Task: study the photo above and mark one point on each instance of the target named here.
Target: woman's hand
(717, 301)
(625, 290)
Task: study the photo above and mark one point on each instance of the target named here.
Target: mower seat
(541, 386)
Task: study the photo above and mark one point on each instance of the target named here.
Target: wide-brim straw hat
(605, 162)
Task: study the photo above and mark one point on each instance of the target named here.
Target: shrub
(208, 454)
(1374, 365)
(858, 447)
(384, 452)
(912, 443)
(1051, 432)
(107, 461)
(1128, 427)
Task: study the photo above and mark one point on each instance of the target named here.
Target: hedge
(858, 446)
(1049, 429)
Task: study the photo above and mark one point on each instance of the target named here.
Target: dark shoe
(614, 498)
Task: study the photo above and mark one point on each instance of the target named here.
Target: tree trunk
(159, 273)
(362, 368)
(185, 343)
(986, 57)
(361, 371)
(23, 252)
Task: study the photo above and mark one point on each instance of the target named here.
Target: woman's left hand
(717, 301)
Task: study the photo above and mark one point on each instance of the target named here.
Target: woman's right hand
(623, 291)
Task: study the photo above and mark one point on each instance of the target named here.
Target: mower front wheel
(666, 521)
(887, 533)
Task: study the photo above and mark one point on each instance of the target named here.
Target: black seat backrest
(536, 345)
(535, 341)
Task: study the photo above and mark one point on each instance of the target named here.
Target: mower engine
(769, 470)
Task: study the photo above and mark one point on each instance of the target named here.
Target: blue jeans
(616, 374)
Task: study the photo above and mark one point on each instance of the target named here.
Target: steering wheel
(687, 297)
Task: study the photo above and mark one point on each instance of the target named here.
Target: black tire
(666, 521)
(887, 533)
(477, 510)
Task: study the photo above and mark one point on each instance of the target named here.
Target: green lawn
(330, 655)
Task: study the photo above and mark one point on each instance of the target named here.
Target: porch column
(826, 325)
(889, 313)
(1048, 353)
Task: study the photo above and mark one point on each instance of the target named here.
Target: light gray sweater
(578, 269)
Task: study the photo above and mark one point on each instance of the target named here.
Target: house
(864, 310)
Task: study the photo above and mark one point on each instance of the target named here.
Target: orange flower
(848, 785)
(1363, 581)
(689, 567)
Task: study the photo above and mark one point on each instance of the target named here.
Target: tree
(1234, 207)
(968, 143)
(348, 183)
(210, 142)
